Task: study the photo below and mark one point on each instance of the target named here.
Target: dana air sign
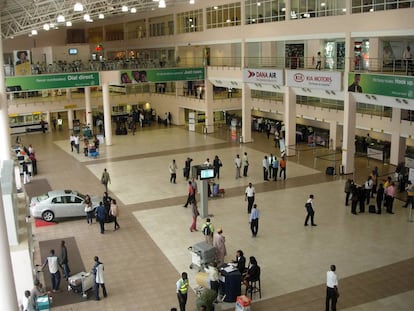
(265, 76)
(314, 79)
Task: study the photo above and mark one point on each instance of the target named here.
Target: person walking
(105, 179)
(64, 260)
(187, 167)
(173, 171)
(52, 261)
(114, 212)
(369, 183)
(208, 230)
(249, 194)
(219, 242)
(76, 142)
(194, 213)
(98, 271)
(88, 209)
(100, 212)
(347, 190)
(410, 194)
(245, 164)
(282, 165)
(217, 164)
(237, 164)
(254, 220)
(332, 293)
(380, 198)
(275, 168)
(191, 193)
(310, 211)
(389, 197)
(318, 61)
(182, 290)
(265, 165)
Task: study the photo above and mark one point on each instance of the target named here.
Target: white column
(4, 115)
(70, 119)
(333, 134)
(49, 121)
(289, 119)
(68, 94)
(88, 108)
(246, 114)
(107, 114)
(348, 140)
(7, 285)
(398, 143)
(209, 102)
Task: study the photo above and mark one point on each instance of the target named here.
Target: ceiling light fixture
(68, 24)
(78, 7)
(124, 8)
(34, 32)
(101, 16)
(192, 1)
(46, 27)
(161, 4)
(133, 10)
(86, 17)
(60, 18)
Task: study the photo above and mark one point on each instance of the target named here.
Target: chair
(254, 286)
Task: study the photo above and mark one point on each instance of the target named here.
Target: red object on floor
(42, 223)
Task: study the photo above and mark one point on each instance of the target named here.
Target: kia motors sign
(265, 76)
(314, 79)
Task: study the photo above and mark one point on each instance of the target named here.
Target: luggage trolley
(202, 254)
(81, 283)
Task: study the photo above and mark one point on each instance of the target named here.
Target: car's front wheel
(48, 216)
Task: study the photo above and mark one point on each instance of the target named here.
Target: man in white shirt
(254, 221)
(332, 293)
(245, 164)
(310, 211)
(368, 188)
(53, 264)
(237, 164)
(265, 165)
(249, 197)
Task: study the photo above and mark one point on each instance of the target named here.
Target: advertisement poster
(314, 79)
(162, 75)
(265, 76)
(387, 85)
(22, 63)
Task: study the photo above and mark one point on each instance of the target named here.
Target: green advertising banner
(162, 75)
(387, 85)
(55, 81)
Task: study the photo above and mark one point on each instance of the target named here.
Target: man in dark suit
(355, 87)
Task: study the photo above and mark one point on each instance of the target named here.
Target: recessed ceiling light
(78, 7)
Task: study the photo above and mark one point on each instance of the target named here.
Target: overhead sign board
(314, 79)
(162, 75)
(265, 76)
(54, 81)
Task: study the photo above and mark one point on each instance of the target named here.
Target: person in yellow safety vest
(182, 289)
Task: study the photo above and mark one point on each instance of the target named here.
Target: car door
(76, 207)
(58, 206)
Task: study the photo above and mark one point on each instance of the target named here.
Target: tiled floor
(144, 259)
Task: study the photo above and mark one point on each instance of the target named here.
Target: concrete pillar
(289, 119)
(107, 114)
(348, 141)
(7, 285)
(88, 108)
(208, 95)
(70, 119)
(333, 134)
(246, 114)
(49, 121)
(4, 115)
(68, 94)
(398, 143)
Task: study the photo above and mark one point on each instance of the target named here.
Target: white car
(60, 204)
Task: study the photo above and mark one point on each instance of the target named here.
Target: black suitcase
(330, 170)
(372, 209)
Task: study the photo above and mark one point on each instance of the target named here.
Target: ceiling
(19, 17)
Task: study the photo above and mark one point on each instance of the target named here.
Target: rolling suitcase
(372, 209)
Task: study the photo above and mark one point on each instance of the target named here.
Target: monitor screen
(73, 51)
(207, 174)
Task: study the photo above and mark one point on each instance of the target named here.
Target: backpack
(207, 230)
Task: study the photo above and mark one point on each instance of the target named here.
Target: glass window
(227, 15)
(362, 6)
(114, 32)
(191, 21)
(161, 26)
(317, 8)
(95, 34)
(265, 11)
(136, 29)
